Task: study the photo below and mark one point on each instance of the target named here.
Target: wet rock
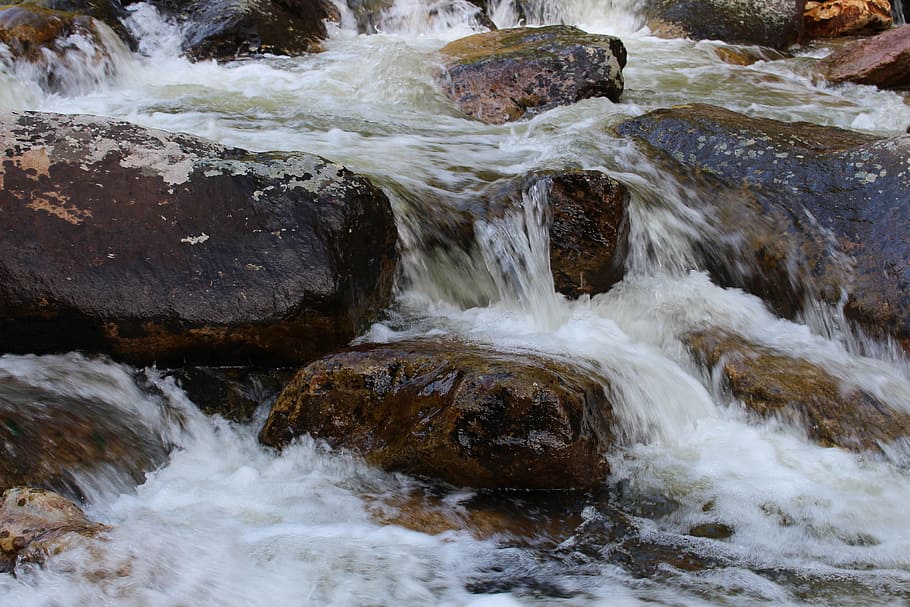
(774, 23)
(746, 55)
(110, 12)
(455, 412)
(586, 219)
(711, 531)
(832, 18)
(226, 29)
(232, 392)
(165, 248)
(773, 384)
(800, 210)
(36, 524)
(46, 39)
(882, 60)
(61, 442)
(505, 75)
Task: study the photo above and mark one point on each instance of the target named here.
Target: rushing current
(228, 522)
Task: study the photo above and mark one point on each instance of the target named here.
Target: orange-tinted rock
(505, 75)
(773, 384)
(36, 524)
(832, 18)
(455, 412)
(882, 60)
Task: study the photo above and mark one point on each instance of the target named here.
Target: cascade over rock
(882, 60)
(586, 221)
(226, 29)
(110, 12)
(159, 247)
(505, 75)
(54, 441)
(45, 38)
(800, 210)
(773, 384)
(832, 18)
(455, 412)
(36, 524)
(774, 23)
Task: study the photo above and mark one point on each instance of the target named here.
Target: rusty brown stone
(773, 384)
(832, 18)
(882, 60)
(451, 411)
(505, 75)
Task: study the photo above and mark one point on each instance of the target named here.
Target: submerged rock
(773, 384)
(53, 41)
(455, 412)
(235, 393)
(584, 216)
(832, 18)
(505, 75)
(882, 60)
(164, 248)
(36, 524)
(774, 23)
(226, 29)
(60, 442)
(800, 210)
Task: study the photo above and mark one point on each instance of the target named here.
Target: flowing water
(227, 522)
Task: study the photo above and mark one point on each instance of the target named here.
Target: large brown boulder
(55, 42)
(507, 74)
(167, 248)
(832, 18)
(36, 524)
(455, 412)
(882, 60)
(63, 442)
(798, 209)
(584, 214)
(774, 23)
(776, 385)
(226, 29)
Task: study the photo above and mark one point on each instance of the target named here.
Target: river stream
(228, 522)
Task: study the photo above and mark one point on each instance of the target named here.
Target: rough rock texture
(585, 215)
(773, 384)
(800, 209)
(504, 75)
(832, 18)
(455, 412)
(110, 12)
(36, 524)
(883, 60)
(774, 23)
(225, 29)
(50, 40)
(158, 247)
(52, 441)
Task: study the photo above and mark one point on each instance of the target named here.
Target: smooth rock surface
(774, 23)
(799, 210)
(164, 248)
(882, 60)
(454, 412)
(505, 75)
